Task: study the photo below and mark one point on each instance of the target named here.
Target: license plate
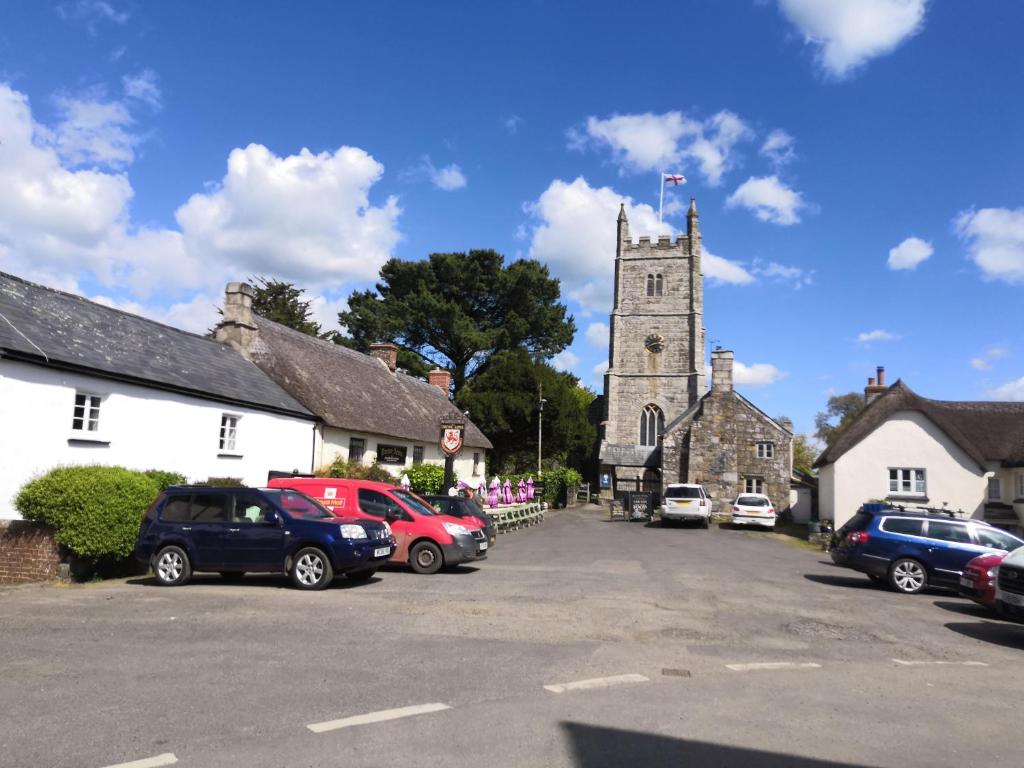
(483, 545)
(382, 551)
(965, 582)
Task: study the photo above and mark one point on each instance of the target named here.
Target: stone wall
(27, 553)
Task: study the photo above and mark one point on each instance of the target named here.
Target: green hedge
(341, 468)
(95, 511)
(164, 478)
(426, 479)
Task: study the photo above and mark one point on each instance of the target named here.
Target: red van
(427, 540)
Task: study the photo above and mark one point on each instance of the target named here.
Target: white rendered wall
(335, 443)
(907, 439)
(146, 429)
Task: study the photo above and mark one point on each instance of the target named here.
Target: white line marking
(376, 717)
(167, 758)
(597, 682)
(940, 663)
(772, 665)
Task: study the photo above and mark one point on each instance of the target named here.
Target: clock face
(655, 342)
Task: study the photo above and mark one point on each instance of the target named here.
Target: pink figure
(507, 492)
(521, 494)
(492, 495)
(529, 489)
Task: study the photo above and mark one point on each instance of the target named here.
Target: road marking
(772, 665)
(597, 682)
(377, 717)
(940, 663)
(167, 758)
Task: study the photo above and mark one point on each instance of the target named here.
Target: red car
(978, 579)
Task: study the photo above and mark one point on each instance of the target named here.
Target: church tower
(656, 351)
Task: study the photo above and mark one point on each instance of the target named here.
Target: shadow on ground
(1006, 635)
(851, 582)
(599, 747)
(966, 608)
(269, 580)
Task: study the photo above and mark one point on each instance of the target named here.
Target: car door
(210, 513)
(377, 504)
(251, 543)
(950, 549)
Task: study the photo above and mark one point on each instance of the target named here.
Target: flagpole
(661, 199)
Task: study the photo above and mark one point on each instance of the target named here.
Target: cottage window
(765, 450)
(652, 424)
(907, 482)
(87, 413)
(1020, 487)
(228, 432)
(356, 449)
(995, 489)
(476, 464)
(650, 285)
(659, 284)
(753, 485)
(417, 455)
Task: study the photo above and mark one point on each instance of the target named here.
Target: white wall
(146, 429)
(907, 439)
(800, 504)
(335, 443)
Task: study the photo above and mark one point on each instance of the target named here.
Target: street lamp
(540, 430)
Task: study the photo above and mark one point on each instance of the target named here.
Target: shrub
(223, 482)
(164, 478)
(341, 468)
(95, 511)
(426, 479)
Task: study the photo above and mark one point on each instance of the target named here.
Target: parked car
(461, 507)
(753, 509)
(234, 531)
(426, 540)
(1009, 596)
(978, 581)
(911, 550)
(686, 501)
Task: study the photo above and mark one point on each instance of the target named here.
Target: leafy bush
(95, 511)
(557, 482)
(426, 478)
(164, 478)
(354, 471)
(222, 482)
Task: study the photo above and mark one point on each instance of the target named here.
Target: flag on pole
(675, 179)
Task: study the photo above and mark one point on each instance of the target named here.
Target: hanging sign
(453, 429)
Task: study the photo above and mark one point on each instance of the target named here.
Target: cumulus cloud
(774, 272)
(198, 314)
(985, 360)
(449, 178)
(143, 87)
(597, 335)
(565, 360)
(1011, 390)
(93, 132)
(601, 367)
(722, 271)
(652, 142)
(756, 375)
(867, 337)
(848, 33)
(909, 253)
(778, 147)
(768, 199)
(995, 241)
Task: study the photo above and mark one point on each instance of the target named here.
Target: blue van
(234, 531)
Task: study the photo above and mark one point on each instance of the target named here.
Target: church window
(658, 285)
(650, 285)
(652, 424)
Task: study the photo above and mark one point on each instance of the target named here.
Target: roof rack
(955, 515)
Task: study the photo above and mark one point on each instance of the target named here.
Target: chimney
(875, 387)
(721, 370)
(237, 328)
(441, 379)
(387, 353)
(881, 376)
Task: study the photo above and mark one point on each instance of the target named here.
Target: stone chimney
(237, 328)
(873, 389)
(721, 370)
(387, 353)
(441, 379)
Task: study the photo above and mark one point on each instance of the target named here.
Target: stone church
(662, 424)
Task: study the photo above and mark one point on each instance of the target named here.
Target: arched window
(650, 285)
(658, 284)
(652, 424)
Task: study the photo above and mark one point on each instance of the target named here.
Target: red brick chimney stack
(875, 386)
(441, 379)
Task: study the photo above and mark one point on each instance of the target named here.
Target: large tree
(838, 413)
(502, 400)
(457, 310)
(282, 302)
(803, 453)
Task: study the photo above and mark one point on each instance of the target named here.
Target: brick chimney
(441, 379)
(875, 387)
(721, 370)
(237, 328)
(387, 353)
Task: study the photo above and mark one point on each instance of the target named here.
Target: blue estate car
(232, 531)
(911, 550)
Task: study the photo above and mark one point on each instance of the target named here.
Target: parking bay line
(377, 717)
(167, 758)
(904, 663)
(596, 682)
(772, 665)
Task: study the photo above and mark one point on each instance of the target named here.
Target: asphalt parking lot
(579, 642)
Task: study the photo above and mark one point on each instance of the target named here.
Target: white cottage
(966, 456)
(81, 383)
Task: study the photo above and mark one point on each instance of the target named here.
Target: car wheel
(232, 575)
(908, 576)
(361, 576)
(426, 557)
(311, 569)
(171, 567)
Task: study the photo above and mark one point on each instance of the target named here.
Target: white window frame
(476, 464)
(901, 477)
(995, 483)
(753, 484)
(90, 406)
(228, 441)
(1020, 486)
(766, 450)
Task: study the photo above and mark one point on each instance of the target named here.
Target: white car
(753, 509)
(1009, 583)
(685, 501)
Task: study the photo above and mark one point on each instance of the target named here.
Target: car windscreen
(414, 502)
(298, 504)
(752, 501)
(682, 493)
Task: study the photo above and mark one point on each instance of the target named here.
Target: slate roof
(52, 328)
(986, 431)
(353, 391)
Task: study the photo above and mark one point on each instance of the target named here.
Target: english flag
(674, 179)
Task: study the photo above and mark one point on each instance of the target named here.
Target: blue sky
(857, 164)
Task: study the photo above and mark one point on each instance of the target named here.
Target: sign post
(453, 430)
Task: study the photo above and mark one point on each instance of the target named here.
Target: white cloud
(601, 367)
(848, 33)
(1011, 390)
(995, 241)
(198, 314)
(93, 132)
(143, 87)
(909, 253)
(565, 360)
(512, 123)
(91, 12)
(720, 270)
(984, 361)
(597, 335)
(867, 337)
(797, 277)
(448, 178)
(980, 364)
(778, 148)
(325, 311)
(756, 375)
(650, 142)
(769, 199)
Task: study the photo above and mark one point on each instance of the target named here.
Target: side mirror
(271, 518)
(393, 514)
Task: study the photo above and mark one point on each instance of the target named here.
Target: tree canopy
(803, 453)
(282, 302)
(838, 413)
(458, 310)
